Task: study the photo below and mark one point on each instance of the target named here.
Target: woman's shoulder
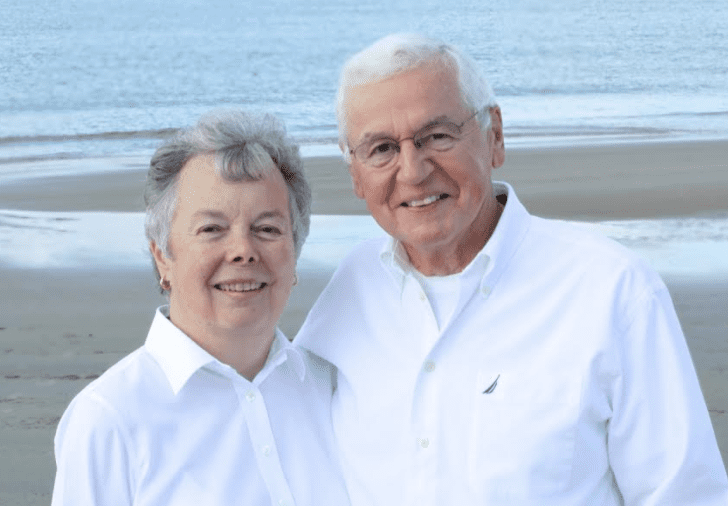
(120, 389)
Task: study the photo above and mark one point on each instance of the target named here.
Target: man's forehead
(419, 97)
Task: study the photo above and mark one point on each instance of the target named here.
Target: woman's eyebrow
(271, 214)
(207, 213)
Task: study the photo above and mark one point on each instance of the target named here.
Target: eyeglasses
(438, 136)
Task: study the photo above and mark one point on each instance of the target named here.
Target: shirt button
(423, 297)
(424, 443)
(282, 502)
(430, 366)
(486, 290)
(266, 450)
(250, 395)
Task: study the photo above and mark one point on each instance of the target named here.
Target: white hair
(399, 53)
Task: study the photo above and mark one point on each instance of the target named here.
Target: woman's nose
(242, 249)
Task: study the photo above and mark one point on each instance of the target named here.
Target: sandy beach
(61, 328)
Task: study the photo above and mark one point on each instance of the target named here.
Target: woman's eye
(269, 229)
(210, 228)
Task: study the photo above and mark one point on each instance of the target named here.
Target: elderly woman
(217, 407)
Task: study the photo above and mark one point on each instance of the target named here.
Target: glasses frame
(418, 145)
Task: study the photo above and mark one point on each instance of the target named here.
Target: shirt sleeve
(92, 457)
(661, 444)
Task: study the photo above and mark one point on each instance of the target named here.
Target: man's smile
(425, 201)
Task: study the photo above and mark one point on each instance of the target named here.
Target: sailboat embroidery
(492, 386)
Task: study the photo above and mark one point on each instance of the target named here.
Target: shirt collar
(509, 232)
(180, 357)
(283, 350)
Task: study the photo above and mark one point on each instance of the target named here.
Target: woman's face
(232, 264)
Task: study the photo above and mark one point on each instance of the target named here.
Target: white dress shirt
(171, 425)
(562, 377)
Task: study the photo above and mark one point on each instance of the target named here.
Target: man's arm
(662, 447)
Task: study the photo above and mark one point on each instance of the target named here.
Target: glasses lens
(377, 153)
(438, 137)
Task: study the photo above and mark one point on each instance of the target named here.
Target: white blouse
(171, 425)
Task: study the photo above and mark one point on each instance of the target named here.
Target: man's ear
(160, 259)
(497, 145)
(356, 181)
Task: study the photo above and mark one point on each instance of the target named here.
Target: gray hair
(245, 147)
(399, 53)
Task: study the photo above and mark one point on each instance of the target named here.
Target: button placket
(261, 436)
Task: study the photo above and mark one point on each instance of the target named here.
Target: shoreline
(601, 182)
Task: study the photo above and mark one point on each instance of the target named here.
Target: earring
(164, 284)
(295, 278)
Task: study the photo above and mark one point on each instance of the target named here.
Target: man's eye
(437, 139)
(381, 148)
(440, 135)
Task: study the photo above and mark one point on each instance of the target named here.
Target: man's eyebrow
(439, 120)
(436, 121)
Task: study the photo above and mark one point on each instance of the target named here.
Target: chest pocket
(523, 434)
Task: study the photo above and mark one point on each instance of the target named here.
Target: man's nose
(414, 165)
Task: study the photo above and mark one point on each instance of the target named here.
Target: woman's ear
(160, 259)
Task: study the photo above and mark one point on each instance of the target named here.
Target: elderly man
(486, 356)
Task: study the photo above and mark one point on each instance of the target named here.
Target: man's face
(433, 202)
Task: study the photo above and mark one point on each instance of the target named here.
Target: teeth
(423, 202)
(240, 287)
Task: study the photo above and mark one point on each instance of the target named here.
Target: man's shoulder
(343, 301)
(581, 238)
(362, 260)
(366, 251)
(585, 247)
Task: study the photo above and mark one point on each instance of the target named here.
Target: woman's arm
(92, 455)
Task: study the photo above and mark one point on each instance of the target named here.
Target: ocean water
(88, 78)
(83, 78)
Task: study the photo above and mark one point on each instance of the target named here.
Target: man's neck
(453, 259)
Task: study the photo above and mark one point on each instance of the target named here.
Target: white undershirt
(442, 292)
